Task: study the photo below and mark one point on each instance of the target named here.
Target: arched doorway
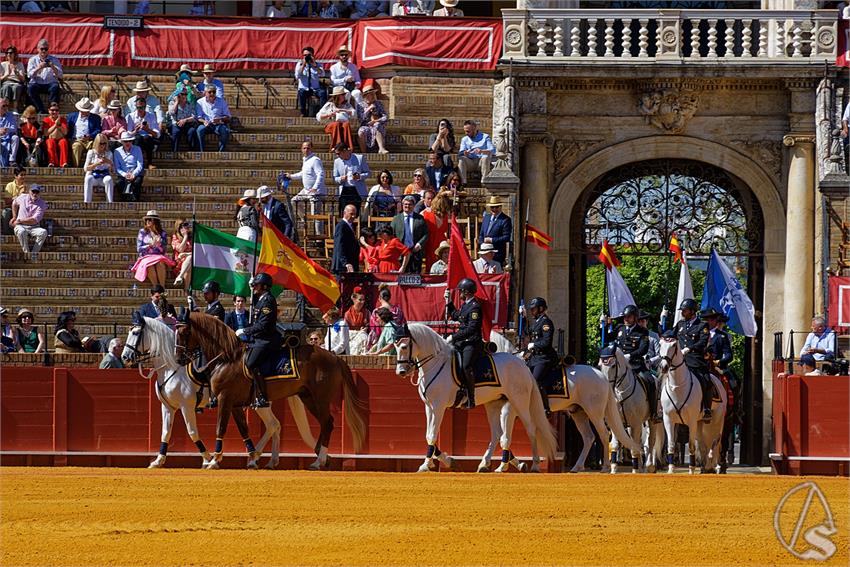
(636, 207)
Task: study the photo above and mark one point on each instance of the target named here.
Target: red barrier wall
(116, 411)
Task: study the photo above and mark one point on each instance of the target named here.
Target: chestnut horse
(321, 374)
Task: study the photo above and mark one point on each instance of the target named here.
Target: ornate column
(800, 233)
(535, 190)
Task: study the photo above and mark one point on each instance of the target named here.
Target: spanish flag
(676, 248)
(290, 267)
(607, 256)
(537, 237)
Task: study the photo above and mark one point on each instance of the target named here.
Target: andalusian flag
(607, 256)
(290, 267)
(224, 258)
(676, 248)
(537, 237)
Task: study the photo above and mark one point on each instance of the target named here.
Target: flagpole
(446, 306)
(254, 271)
(521, 319)
(192, 257)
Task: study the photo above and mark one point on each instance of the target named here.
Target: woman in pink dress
(150, 244)
(437, 221)
(376, 325)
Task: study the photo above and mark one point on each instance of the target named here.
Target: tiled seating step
(275, 160)
(120, 316)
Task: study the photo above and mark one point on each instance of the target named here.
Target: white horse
(419, 347)
(681, 397)
(634, 409)
(151, 340)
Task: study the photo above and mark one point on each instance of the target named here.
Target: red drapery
(839, 302)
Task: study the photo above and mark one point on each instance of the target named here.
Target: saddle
(484, 371)
(557, 385)
(200, 379)
(281, 365)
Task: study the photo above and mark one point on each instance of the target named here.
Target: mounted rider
(541, 355)
(262, 334)
(211, 291)
(467, 340)
(633, 340)
(693, 339)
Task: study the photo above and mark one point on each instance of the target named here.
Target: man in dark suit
(411, 229)
(346, 247)
(151, 308)
(238, 318)
(275, 211)
(80, 137)
(497, 228)
(437, 171)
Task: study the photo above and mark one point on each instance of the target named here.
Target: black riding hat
(262, 279)
(710, 313)
(537, 302)
(211, 286)
(629, 310)
(688, 304)
(607, 351)
(467, 285)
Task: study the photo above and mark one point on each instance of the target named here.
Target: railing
(628, 36)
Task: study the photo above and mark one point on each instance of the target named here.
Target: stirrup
(260, 402)
(470, 402)
(213, 402)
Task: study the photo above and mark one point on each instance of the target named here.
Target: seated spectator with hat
(345, 74)
(7, 335)
(83, 126)
(98, 169)
(152, 104)
(66, 339)
(449, 9)
(150, 244)
(152, 308)
(210, 80)
(213, 114)
(29, 337)
(338, 113)
(497, 229)
(247, 216)
(112, 357)
(373, 121)
(27, 213)
(184, 84)
(9, 135)
(476, 152)
(129, 168)
(485, 264)
(441, 266)
(146, 129)
(113, 124)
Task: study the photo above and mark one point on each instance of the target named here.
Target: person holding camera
(181, 247)
(311, 95)
(145, 127)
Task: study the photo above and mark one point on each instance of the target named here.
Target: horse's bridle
(619, 379)
(184, 352)
(669, 359)
(414, 363)
(140, 356)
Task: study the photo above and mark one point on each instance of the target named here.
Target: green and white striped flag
(224, 258)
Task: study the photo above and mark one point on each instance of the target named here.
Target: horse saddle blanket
(558, 387)
(280, 366)
(484, 371)
(199, 378)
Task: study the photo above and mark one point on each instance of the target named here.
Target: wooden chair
(465, 228)
(317, 230)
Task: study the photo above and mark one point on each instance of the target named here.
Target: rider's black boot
(260, 400)
(470, 391)
(545, 400)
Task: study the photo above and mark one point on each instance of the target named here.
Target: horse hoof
(314, 466)
(502, 468)
(671, 469)
(521, 467)
(271, 466)
(155, 465)
(635, 471)
(613, 469)
(483, 468)
(691, 470)
(650, 469)
(576, 469)
(449, 463)
(424, 468)
(535, 468)
(213, 466)
(252, 465)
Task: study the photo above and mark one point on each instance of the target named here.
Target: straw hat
(152, 214)
(127, 136)
(444, 245)
(338, 91)
(343, 49)
(494, 202)
(141, 87)
(248, 194)
(264, 191)
(370, 88)
(209, 68)
(23, 312)
(450, 3)
(184, 68)
(84, 105)
(486, 248)
(113, 105)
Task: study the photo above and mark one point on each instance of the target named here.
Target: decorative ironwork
(641, 204)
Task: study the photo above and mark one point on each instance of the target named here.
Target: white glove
(530, 346)
(686, 350)
(191, 301)
(522, 310)
(240, 332)
(627, 357)
(447, 295)
(449, 340)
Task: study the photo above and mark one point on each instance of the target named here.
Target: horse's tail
(354, 408)
(615, 422)
(296, 406)
(546, 442)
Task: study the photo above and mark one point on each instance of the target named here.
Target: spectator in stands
(150, 244)
(32, 140)
(810, 366)
(44, 72)
(312, 176)
(146, 131)
(393, 255)
(443, 142)
(153, 308)
(418, 186)
(412, 231)
(346, 248)
(385, 341)
(27, 212)
(437, 171)
(181, 249)
(247, 216)
(83, 126)
(328, 9)
(449, 9)
(382, 200)
(210, 80)
(181, 115)
(345, 74)
(497, 229)
(238, 318)
(7, 337)
(13, 79)
(214, 116)
(279, 9)
(308, 73)
(408, 8)
(66, 339)
(27, 335)
(373, 122)
(455, 191)
(384, 297)
(357, 319)
(315, 339)
(129, 168)
(338, 112)
(9, 138)
(337, 339)
(424, 204)
(100, 106)
(202, 8)
(476, 152)
(820, 343)
(485, 264)
(98, 169)
(369, 248)
(275, 211)
(370, 9)
(350, 173)
(113, 124)
(15, 187)
(437, 221)
(112, 357)
(441, 266)
(152, 105)
(185, 84)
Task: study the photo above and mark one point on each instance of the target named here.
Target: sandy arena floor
(77, 516)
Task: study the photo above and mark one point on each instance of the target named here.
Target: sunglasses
(42, 49)
(417, 175)
(26, 316)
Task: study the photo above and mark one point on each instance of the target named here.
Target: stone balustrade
(702, 36)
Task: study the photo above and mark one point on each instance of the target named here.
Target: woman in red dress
(55, 128)
(437, 221)
(369, 249)
(391, 251)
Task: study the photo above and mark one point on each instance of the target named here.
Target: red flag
(607, 256)
(676, 248)
(537, 237)
(460, 266)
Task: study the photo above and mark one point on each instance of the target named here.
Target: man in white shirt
(312, 176)
(214, 115)
(820, 343)
(337, 339)
(44, 72)
(152, 105)
(345, 74)
(144, 126)
(486, 264)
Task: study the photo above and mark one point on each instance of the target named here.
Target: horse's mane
(161, 339)
(427, 339)
(215, 337)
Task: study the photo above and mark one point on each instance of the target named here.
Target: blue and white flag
(723, 292)
(619, 295)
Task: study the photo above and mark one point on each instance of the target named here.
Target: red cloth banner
(839, 302)
(166, 42)
(843, 59)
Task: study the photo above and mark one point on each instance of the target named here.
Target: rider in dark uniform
(542, 355)
(211, 291)
(693, 339)
(719, 344)
(467, 340)
(262, 333)
(633, 340)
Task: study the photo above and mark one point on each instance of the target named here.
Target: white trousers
(91, 182)
(25, 231)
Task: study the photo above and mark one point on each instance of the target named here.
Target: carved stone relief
(766, 152)
(567, 152)
(532, 101)
(669, 110)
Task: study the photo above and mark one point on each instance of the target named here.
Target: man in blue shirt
(214, 115)
(209, 79)
(129, 168)
(308, 72)
(9, 138)
(821, 341)
(476, 151)
(350, 173)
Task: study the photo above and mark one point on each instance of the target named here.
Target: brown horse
(320, 376)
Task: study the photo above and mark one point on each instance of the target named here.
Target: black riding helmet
(537, 302)
(467, 285)
(262, 279)
(211, 287)
(688, 304)
(630, 310)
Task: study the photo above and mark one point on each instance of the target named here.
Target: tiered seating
(84, 265)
